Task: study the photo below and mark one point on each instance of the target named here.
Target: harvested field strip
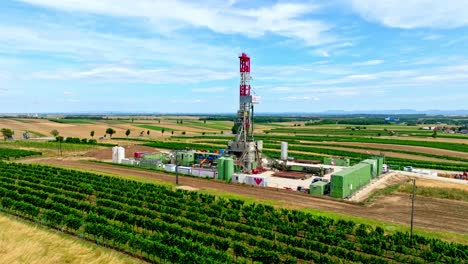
(24, 242)
(71, 121)
(355, 132)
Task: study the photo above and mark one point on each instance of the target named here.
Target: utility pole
(176, 168)
(412, 208)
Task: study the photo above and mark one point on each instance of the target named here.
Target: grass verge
(436, 192)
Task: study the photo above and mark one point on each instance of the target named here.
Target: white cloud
(410, 14)
(283, 19)
(117, 73)
(368, 63)
(360, 77)
(299, 98)
(80, 45)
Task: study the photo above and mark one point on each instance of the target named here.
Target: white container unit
(238, 178)
(128, 161)
(256, 180)
(284, 150)
(184, 170)
(200, 172)
(170, 167)
(118, 154)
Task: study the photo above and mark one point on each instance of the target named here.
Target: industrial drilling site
(243, 162)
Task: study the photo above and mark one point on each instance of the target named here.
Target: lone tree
(162, 131)
(147, 132)
(172, 132)
(54, 133)
(7, 133)
(92, 133)
(127, 132)
(110, 131)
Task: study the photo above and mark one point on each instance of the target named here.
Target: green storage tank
(348, 181)
(221, 168)
(228, 169)
(319, 188)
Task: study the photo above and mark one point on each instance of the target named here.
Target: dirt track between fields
(430, 213)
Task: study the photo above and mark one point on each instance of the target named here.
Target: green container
(350, 180)
(379, 165)
(228, 169)
(221, 168)
(319, 188)
(154, 156)
(374, 165)
(336, 161)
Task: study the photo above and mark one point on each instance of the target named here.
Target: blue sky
(181, 56)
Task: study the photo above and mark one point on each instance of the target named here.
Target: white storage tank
(284, 150)
(260, 145)
(118, 154)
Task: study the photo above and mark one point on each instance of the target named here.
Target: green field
(156, 128)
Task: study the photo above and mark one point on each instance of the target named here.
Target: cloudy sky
(182, 56)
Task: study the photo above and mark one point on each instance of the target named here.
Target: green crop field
(161, 225)
(47, 146)
(156, 128)
(7, 153)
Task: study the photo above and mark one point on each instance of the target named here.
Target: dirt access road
(430, 213)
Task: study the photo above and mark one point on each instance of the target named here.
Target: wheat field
(22, 242)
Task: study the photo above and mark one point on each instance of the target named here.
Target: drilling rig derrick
(244, 147)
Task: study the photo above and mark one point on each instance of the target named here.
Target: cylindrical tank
(260, 145)
(221, 168)
(228, 169)
(284, 150)
(118, 154)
